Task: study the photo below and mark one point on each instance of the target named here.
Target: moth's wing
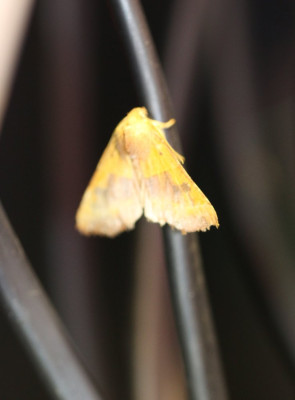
(170, 195)
(111, 202)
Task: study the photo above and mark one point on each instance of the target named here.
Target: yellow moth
(140, 173)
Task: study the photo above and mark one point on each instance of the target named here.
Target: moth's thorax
(136, 140)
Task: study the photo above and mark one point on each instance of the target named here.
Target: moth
(138, 174)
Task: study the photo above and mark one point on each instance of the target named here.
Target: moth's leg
(164, 125)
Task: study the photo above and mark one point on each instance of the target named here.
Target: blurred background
(230, 71)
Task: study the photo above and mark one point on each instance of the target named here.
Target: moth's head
(135, 121)
(137, 114)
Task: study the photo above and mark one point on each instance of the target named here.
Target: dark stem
(37, 324)
(187, 281)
